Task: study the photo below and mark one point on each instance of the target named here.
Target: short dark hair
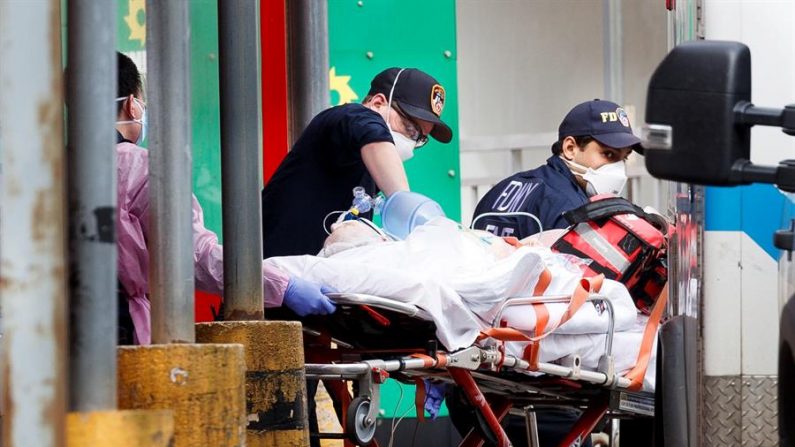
(582, 140)
(129, 78)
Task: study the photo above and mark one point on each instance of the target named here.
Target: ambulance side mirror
(692, 134)
(699, 118)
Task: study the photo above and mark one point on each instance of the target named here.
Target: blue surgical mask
(142, 121)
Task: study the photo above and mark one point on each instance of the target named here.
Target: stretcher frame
(476, 370)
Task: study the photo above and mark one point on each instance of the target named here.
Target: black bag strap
(603, 208)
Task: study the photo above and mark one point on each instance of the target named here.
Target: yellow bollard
(202, 384)
(275, 379)
(128, 428)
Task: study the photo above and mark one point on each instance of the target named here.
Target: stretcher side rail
(377, 301)
(523, 301)
(606, 362)
(490, 356)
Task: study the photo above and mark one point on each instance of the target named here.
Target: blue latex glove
(308, 298)
(434, 396)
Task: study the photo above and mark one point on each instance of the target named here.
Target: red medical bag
(623, 242)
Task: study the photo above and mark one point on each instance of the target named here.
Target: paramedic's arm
(386, 168)
(208, 261)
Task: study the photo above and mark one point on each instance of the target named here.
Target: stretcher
(370, 339)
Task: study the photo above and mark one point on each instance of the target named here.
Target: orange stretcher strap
(428, 360)
(503, 334)
(533, 349)
(636, 374)
(581, 293)
(439, 362)
(419, 399)
(543, 282)
(585, 287)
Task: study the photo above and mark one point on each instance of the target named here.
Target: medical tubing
(326, 218)
(375, 228)
(399, 420)
(515, 213)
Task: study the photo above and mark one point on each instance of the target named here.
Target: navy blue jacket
(545, 192)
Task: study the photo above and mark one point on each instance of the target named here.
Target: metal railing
(521, 152)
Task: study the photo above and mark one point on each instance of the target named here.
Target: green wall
(363, 40)
(368, 36)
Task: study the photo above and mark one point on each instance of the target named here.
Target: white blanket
(448, 270)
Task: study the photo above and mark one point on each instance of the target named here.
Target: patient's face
(349, 234)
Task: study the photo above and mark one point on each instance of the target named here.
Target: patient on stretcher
(460, 277)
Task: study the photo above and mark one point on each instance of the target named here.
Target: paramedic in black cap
(348, 146)
(594, 140)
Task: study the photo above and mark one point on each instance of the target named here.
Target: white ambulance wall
(523, 64)
(767, 28)
(740, 277)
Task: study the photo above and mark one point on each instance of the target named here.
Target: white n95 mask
(607, 179)
(403, 144)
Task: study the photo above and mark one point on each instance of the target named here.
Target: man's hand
(308, 298)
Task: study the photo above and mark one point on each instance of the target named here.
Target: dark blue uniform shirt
(545, 192)
(317, 177)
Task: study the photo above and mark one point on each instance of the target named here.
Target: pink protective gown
(133, 229)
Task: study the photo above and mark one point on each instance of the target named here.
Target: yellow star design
(137, 30)
(341, 84)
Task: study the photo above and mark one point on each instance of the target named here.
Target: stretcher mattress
(459, 278)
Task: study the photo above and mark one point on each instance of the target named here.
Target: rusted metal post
(33, 227)
(240, 162)
(171, 246)
(91, 89)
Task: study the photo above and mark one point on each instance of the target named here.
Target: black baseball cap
(604, 121)
(417, 94)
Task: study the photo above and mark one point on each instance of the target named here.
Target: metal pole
(308, 62)
(92, 205)
(238, 35)
(171, 245)
(33, 232)
(613, 51)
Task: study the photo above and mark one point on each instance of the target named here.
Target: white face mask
(404, 145)
(607, 179)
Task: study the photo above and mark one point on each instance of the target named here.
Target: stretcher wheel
(358, 429)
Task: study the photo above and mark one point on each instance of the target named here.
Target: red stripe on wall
(273, 39)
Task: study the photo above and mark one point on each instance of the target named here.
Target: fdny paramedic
(594, 140)
(348, 146)
(303, 297)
